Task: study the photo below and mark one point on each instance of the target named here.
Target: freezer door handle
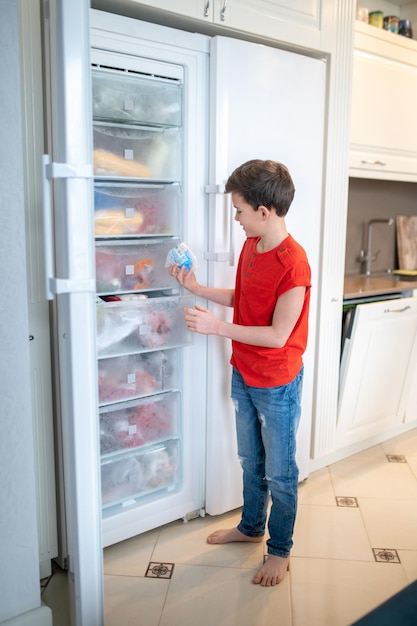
(227, 255)
(50, 170)
(215, 188)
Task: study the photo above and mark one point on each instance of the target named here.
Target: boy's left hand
(200, 320)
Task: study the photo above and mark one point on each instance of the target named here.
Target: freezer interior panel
(149, 124)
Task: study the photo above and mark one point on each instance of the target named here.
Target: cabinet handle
(398, 310)
(223, 11)
(207, 8)
(372, 162)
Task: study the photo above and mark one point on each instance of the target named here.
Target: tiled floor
(355, 545)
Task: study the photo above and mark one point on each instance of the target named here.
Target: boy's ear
(264, 211)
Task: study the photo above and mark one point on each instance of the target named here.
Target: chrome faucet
(366, 256)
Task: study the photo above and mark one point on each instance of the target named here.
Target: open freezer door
(70, 282)
(277, 112)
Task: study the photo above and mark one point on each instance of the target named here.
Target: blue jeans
(266, 423)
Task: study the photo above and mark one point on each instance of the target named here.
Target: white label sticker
(128, 154)
(132, 429)
(131, 378)
(129, 270)
(129, 212)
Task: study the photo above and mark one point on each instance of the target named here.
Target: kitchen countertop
(360, 286)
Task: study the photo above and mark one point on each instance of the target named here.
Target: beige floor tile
(130, 601)
(130, 557)
(211, 596)
(328, 592)
(412, 464)
(369, 474)
(186, 543)
(403, 444)
(408, 560)
(390, 524)
(317, 489)
(331, 532)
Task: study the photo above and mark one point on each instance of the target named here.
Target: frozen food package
(182, 255)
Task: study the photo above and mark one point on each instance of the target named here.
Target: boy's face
(251, 221)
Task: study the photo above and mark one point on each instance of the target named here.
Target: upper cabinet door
(292, 21)
(384, 100)
(196, 9)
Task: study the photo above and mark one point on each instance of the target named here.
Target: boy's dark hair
(266, 183)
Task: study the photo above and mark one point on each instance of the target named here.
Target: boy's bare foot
(230, 535)
(272, 572)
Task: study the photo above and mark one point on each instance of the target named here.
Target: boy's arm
(188, 280)
(287, 311)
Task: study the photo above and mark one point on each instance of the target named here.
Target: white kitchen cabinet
(383, 139)
(378, 370)
(410, 408)
(293, 21)
(196, 9)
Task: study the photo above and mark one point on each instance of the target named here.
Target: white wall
(19, 561)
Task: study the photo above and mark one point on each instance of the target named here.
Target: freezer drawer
(133, 152)
(139, 474)
(133, 266)
(125, 210)
(129, 98)
(140, 324)
(138, 422)
(136, 375)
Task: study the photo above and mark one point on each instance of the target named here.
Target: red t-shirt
(260, 280)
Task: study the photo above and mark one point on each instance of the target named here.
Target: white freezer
(226, 121)
(258, 99)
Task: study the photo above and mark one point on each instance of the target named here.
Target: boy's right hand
(185, 278)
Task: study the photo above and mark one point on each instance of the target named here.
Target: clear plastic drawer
(138, 422)
(136, 375)
(125, 98)
(140, 473)
(132, 266)
(125, 210)
(133, 152)
(139, 324)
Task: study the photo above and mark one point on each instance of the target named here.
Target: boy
(269, 335)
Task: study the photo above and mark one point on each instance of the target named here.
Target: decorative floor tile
(346, 501)
(396, 458)
(386, 555)
(159, 570)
